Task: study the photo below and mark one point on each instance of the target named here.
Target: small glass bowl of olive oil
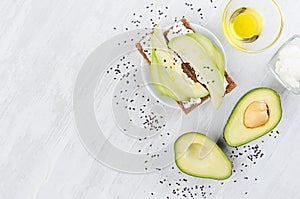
(252, 26)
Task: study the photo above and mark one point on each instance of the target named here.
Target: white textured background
(43, 44)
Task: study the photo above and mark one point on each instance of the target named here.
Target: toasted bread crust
(187, 24)
(231, 84)
(140, 49)
(189, 71)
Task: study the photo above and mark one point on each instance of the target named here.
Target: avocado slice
(256, 113)
(220, 60)
(166, 73)
(191, 51)
(212, 50)
(199, 156)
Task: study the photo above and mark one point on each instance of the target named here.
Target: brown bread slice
(189, 71)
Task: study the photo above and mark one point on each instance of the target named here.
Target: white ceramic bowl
(146, 69)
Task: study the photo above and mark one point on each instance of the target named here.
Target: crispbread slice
(190, 105)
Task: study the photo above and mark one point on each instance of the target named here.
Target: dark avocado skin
(262, 134)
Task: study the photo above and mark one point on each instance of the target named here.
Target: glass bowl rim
(247, 50)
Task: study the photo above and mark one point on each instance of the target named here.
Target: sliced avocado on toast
(192, 51)
(197, 155)
(167, 75)
(256, 113)
(211, 49)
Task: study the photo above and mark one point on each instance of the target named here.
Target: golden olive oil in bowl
(246, 24)
(252, 26)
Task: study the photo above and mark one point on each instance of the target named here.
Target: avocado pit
(256, 114)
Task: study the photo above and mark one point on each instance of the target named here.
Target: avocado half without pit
(199, 156)
(256, 113)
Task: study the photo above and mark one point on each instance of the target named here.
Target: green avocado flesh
(197, 54)
(255, 114)
(166, 73)
(212, 50)
(199, 156)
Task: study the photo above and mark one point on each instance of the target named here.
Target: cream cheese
(288, 65)
(177, 30)
(191, 102)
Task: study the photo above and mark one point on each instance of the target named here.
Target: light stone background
(43, 44)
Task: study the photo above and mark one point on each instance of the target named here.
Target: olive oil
(246, 24)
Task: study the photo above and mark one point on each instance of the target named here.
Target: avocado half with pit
(199, 156)
(256, 113)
